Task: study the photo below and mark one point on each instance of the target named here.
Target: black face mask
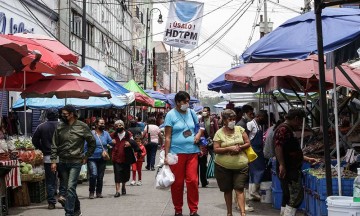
(101, 128)
(64, 119)
(120, 130)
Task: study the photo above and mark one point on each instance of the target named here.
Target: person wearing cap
(68, 145)
(122, 156)
(42, 139)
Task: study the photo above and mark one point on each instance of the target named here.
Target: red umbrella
(15, 82)
(49, 62)
(53, 45)
(65, 86)
(143, 100)
(305, 71)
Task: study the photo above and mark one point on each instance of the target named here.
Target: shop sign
(184, 24)
(11, 26)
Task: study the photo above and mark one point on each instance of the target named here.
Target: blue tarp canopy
(156, 95)
(220, 84)
(297, 38)
(115, 89)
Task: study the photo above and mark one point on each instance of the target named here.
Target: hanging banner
(184, 24)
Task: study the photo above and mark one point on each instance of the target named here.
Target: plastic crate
(321, 207)
(276, 198)
(37, 191)
(275, 182)
(312, 208)
(346, 186)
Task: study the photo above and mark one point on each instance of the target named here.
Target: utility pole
(170, 70)
(146, 46)
(265, 18)
(83, 44)
(307, 6)
(154, 70)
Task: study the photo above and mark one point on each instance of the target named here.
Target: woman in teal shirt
(181, 138)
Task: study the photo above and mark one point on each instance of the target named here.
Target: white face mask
(231, 125)
(184, 107)
(204, 114)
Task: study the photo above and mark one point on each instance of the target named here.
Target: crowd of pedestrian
(228, 138)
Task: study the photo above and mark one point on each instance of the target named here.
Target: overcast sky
(215, 62)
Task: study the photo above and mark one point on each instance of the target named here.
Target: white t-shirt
(154, 131)
(253, 127)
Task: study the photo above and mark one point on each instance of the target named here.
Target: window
(76, 20)
(90, 33)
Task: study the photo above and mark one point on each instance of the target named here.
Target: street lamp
(160, 20)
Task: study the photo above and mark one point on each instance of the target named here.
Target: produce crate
(321, 208)
(37, 191)
(346, 183)
(310, 203)
(276, 198)
(275, 182)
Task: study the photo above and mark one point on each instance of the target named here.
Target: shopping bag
(83, 172)
(165, 178)
(251, 154)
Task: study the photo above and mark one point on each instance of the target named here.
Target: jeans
(151, 150)
(97, 171)
(51, 184)
(202, 170)
(69, 173)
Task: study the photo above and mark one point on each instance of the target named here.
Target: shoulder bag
(104, 153)
(250, 153)
(147, 136)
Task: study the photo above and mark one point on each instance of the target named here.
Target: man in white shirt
(257, 167)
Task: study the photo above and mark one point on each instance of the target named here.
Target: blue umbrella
(297, 39)
(171, 99)
(156, 95)
(220, 84)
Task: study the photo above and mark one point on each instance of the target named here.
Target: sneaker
(99, 195)
(117, 194)
(78, 213)
(248, 208)
(194, 214)
(62, 201)
(138, 183)
(51, 206)
(255, 197)
(91, 196)
(132, 183)
(178, 214)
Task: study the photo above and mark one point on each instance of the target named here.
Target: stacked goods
(37, 191)
(315, 189)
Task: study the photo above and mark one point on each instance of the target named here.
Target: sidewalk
(142, 200)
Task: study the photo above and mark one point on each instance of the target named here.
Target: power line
(254, 24)
(223, 35)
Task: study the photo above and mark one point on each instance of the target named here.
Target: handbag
(251, 154)
(147, 137)
(104, 154)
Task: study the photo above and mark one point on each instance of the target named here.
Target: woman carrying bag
(97, 162)
(232, 147)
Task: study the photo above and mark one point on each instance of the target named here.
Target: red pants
(185, 170)
(137, 166)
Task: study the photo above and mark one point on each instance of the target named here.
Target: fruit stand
(26, 180)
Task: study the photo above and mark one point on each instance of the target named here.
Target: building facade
(108, 34)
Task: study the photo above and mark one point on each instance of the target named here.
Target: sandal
(243, 214)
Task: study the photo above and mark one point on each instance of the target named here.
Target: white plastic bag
(172, 158)
(165, 178)
(83, 172)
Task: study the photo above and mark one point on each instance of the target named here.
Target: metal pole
(323, 105)
(25, 117)
(170, 70)
(265, 18)
(146, 46)
(83, 44)
(337, 131)
(176, 84)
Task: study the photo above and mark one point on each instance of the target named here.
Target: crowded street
(142, 200)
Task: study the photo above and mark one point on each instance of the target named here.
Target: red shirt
(118, 151)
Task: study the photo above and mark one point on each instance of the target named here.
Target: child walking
(136, 167)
